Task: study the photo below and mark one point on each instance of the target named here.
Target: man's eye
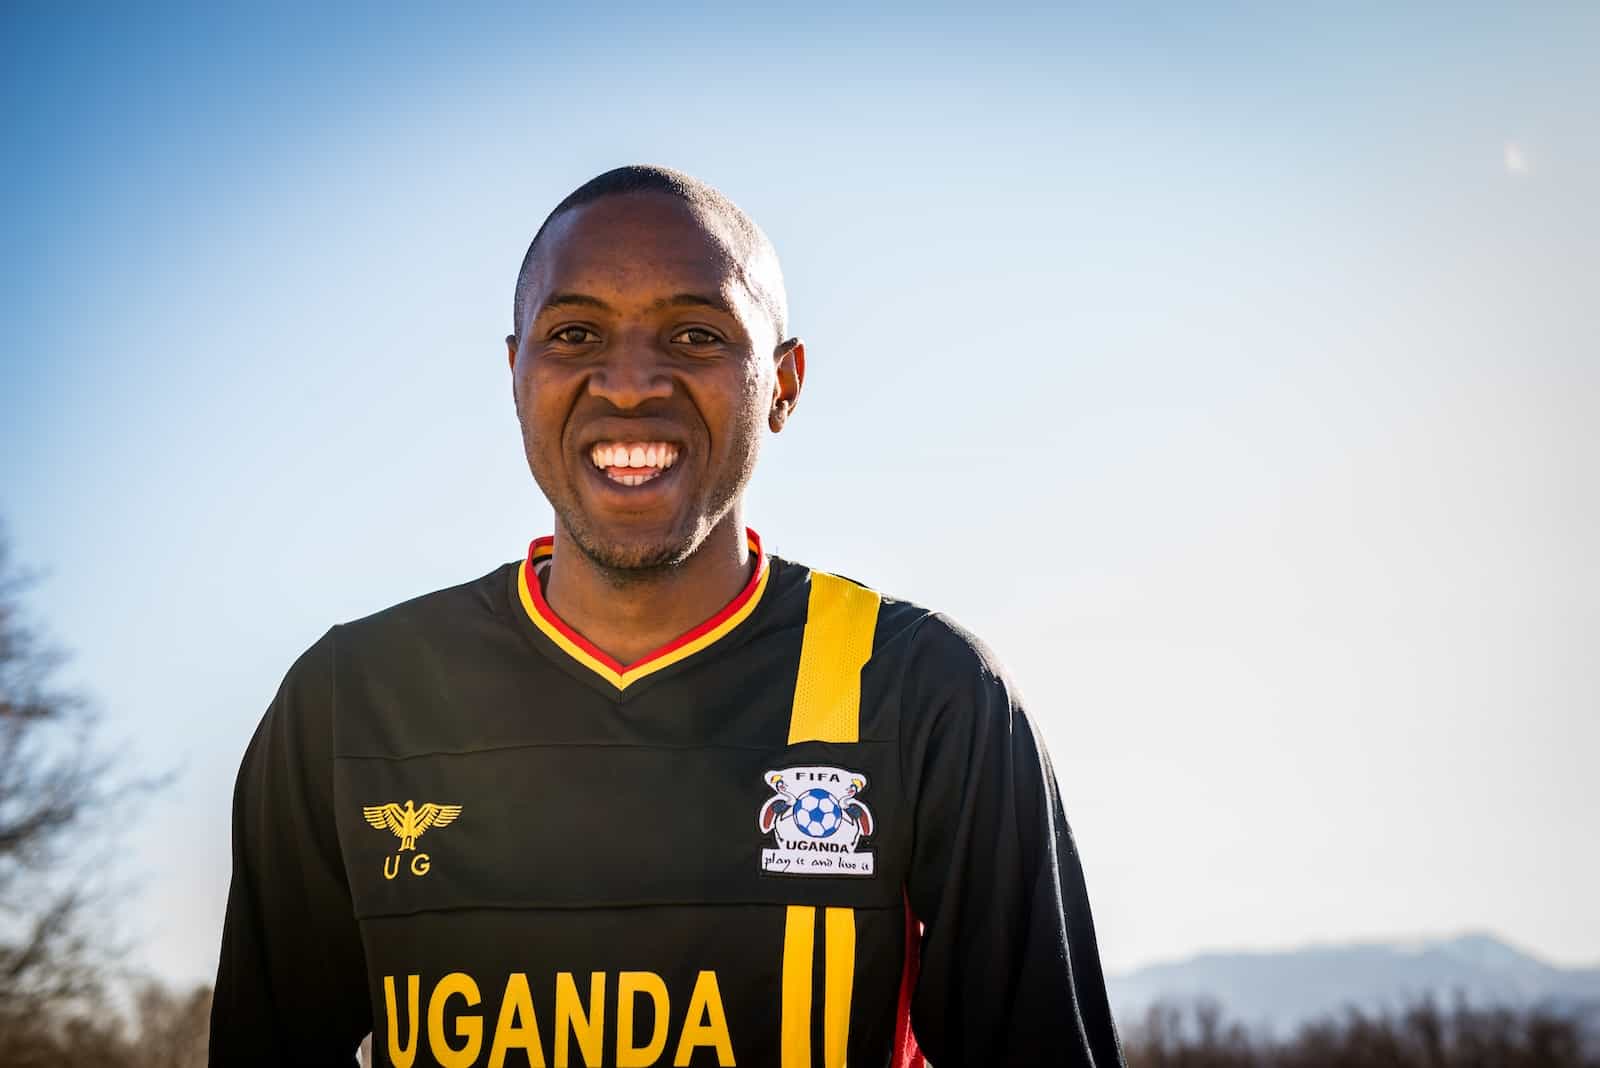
(696, 336)
(573, 335)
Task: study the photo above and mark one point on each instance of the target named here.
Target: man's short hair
(751, 246)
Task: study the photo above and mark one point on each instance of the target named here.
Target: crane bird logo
(408, 823)
(817, 820)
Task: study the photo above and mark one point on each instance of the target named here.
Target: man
(650, 795)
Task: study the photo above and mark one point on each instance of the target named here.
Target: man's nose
(631, 372)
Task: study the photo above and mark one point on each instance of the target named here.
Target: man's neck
(629, 620)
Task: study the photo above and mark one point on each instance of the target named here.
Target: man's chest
(617, 825)
(598, 877)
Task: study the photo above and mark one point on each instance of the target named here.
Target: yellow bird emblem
(408, 823)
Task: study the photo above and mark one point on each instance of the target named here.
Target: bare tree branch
(55, 786)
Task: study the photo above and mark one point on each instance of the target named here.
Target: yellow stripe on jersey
(840, 621)
(837, 984)
(841, 618)
(799, 938)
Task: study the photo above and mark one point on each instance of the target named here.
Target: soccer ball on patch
(817, 814)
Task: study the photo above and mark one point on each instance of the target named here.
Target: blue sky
(1233, 373)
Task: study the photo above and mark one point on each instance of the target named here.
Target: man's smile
(633, 463)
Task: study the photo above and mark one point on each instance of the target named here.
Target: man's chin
(632, 552)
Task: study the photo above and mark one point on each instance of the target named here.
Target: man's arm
(1010, 973)
(291, 981)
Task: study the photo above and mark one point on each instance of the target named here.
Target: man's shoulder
(424, 619)
(461, 609)
(927, 640)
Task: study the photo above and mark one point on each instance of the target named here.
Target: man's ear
(511, 350)
(791, 367)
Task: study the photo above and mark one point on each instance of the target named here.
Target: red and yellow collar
(613, 671)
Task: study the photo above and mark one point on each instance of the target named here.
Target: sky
(1234, 374)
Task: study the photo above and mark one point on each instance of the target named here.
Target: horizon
(1403, 943)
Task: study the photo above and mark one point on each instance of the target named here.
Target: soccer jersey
(817, 829)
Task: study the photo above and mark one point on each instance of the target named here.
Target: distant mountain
(1278, 991)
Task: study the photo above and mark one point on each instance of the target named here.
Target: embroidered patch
(407, 824)
(817, 820)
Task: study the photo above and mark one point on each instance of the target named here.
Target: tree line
(1425, 1034)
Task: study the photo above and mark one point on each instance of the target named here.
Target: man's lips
(633, 463)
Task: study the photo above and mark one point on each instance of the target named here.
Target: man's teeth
(633, 462)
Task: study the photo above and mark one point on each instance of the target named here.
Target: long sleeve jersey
(817, 829)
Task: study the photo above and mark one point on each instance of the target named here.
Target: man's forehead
(636, 233)
(644, 239)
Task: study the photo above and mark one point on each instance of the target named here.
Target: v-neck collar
(680, 648)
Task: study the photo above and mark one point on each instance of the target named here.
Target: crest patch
(816, 819)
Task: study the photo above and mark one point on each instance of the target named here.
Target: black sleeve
(1010, 974)
(291, 982)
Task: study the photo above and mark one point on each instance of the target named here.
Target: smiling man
(651, 795)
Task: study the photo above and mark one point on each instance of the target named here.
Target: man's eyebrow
(677, 300)
(694, 300)
(572, 300)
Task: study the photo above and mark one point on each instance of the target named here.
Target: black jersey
(816, 829)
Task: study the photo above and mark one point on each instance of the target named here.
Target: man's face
(643, 373)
